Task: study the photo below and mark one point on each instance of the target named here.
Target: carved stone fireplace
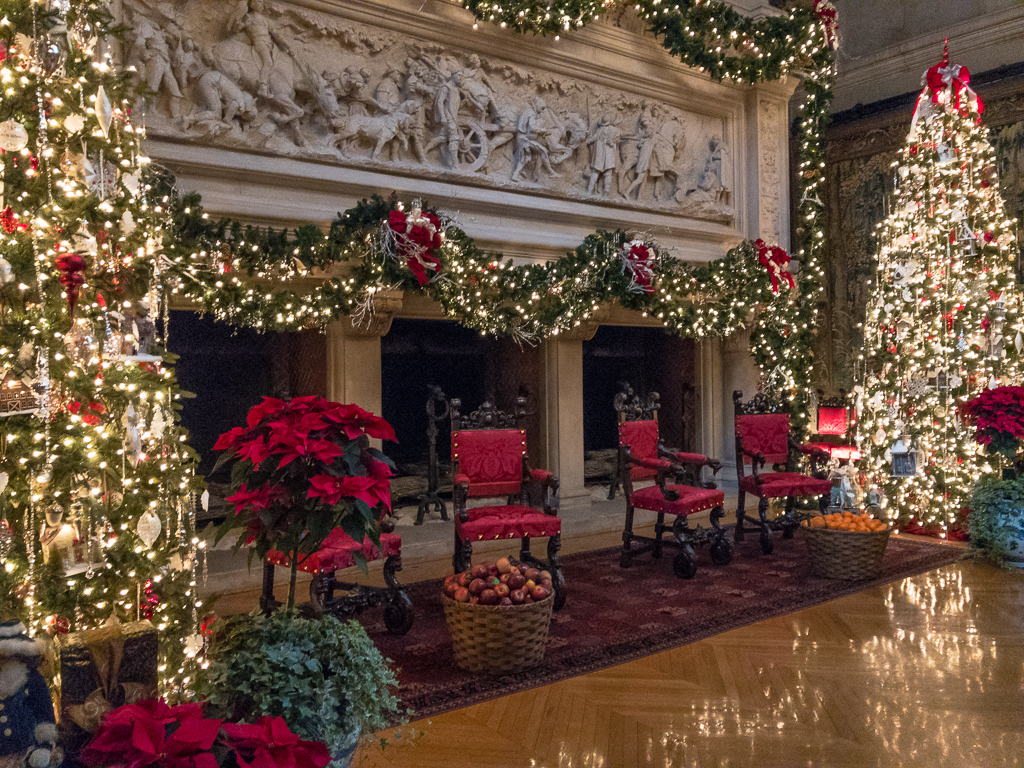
(287, 112)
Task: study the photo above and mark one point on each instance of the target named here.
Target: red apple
(538, 593)
(492, 569)
(474, 601)
(502, 590)
(477, 586)
(516, 580)
(528, 600)
(462, 595)
(532, 574)
(480, 571)
(517, 596)
(450, 588)
(465, 579)
(488, 597)
(504, 566)
(505, 601)
(545, 575)
(504, 578)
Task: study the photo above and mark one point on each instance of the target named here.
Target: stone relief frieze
(295, 82)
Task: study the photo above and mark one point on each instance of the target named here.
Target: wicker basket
(849, 555)
(498, 639)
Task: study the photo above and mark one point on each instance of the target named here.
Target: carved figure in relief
(656, 152)
(531, 141)
(187, 63)
(382, 130)
(221, 102)
(710, 187)
(154, 63)
(447, 103)
(349, 86)
(417, 90)
(604, 155)
(249, 20)
(478, 89)
(386, 96)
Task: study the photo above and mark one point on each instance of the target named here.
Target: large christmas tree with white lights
(99, 490)
(944, 319)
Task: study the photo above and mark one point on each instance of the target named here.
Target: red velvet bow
(776, 261)
(828, 16)
(418, 235)
(71, 266)
(954, 77)
(638, 258)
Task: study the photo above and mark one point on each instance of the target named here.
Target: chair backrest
(834, 415)
(764, 427)
(638, 428)
(489, 446)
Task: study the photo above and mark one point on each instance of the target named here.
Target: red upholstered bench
(643, 456)
(337, 553)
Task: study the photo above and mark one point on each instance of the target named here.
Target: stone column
(738, 372)
(767, 171)
(711, 413)
(353, 355)
(562, 417)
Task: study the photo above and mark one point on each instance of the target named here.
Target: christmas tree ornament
(7, 272)
(148, 528)
(71, 267)
(74, 123)
(132, 439)
(904, 458)
(6, 538)
(71, 165)
(104, 111)
(13, 136)
(4, 479)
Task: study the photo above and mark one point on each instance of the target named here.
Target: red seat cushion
(838, 451)
(690, 499)
(509, 521)
(781, 484)
(338, 552)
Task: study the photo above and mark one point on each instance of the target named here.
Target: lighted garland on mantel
(245, 276)
(715, 39)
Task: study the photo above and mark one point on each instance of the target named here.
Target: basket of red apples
(498, 615)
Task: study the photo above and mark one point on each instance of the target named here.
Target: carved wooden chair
(836, 420)
(763, 436)
(338, 552)
(489, 460)
(643, 456)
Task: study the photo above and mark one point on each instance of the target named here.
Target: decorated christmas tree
(98, 486)
(944, 319)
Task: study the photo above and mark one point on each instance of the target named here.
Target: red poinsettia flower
(419, 235)
(268, 407)
(269, 743)
(230, 439)
(333, 489)
(261, 498)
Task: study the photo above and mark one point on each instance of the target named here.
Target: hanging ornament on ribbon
(9, 219)
(638, 261)
(414, 238)
(6, 538)
(74, 123)
(71, 266)
(776, 261)
(149, 527)
(104, 111)
(13, 136)
(132, 439)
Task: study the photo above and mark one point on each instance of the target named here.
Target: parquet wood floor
(928, 671)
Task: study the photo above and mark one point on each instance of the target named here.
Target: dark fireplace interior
(418, 353)
(231, 369)
(649, 359)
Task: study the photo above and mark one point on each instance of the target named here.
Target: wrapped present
(101, 669)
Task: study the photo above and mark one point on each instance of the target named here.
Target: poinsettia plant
(998, 416)
(415, 238)
(302, 468)
(150, 733)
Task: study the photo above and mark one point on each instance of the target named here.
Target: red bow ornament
(829, 18)
(944, 84)
(417, 237)
(71, 266)
(638, 260)
(776, 261)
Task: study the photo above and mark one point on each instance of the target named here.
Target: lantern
(904, 458)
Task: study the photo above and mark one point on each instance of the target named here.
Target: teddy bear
(28, 732)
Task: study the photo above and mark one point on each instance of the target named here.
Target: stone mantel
(288, 111)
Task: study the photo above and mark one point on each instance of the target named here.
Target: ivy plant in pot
(323, 676)
(300, 469)
(997, 501)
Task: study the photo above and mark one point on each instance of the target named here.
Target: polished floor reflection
(928, 671)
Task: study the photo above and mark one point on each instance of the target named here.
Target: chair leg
(557, 579)
(398, 613)
(627, 538)
(767, 538)
(823, 502)
(659, 530)
(525, 555)
(615, 484)
(737, 534)
(463, 556)
(788, 525)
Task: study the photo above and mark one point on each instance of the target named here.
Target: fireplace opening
(648, 359)
(418, 353)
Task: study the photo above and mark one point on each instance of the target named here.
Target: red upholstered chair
(489, 460)
(762, 436)
(643, 456)
(836, 419)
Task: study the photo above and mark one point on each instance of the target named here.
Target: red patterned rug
(614, 615)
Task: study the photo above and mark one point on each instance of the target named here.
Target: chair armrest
(460, 492)
(542, 489)
(659, 464)
(814, 454)
(541, 475)
(461, 479)
(757, 463)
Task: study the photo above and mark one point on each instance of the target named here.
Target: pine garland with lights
(944, 321)
(90, 444)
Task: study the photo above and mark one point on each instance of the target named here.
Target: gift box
(101, 669)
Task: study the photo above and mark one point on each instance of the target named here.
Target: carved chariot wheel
(473, 146)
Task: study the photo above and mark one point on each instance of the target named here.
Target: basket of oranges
(846, 545)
